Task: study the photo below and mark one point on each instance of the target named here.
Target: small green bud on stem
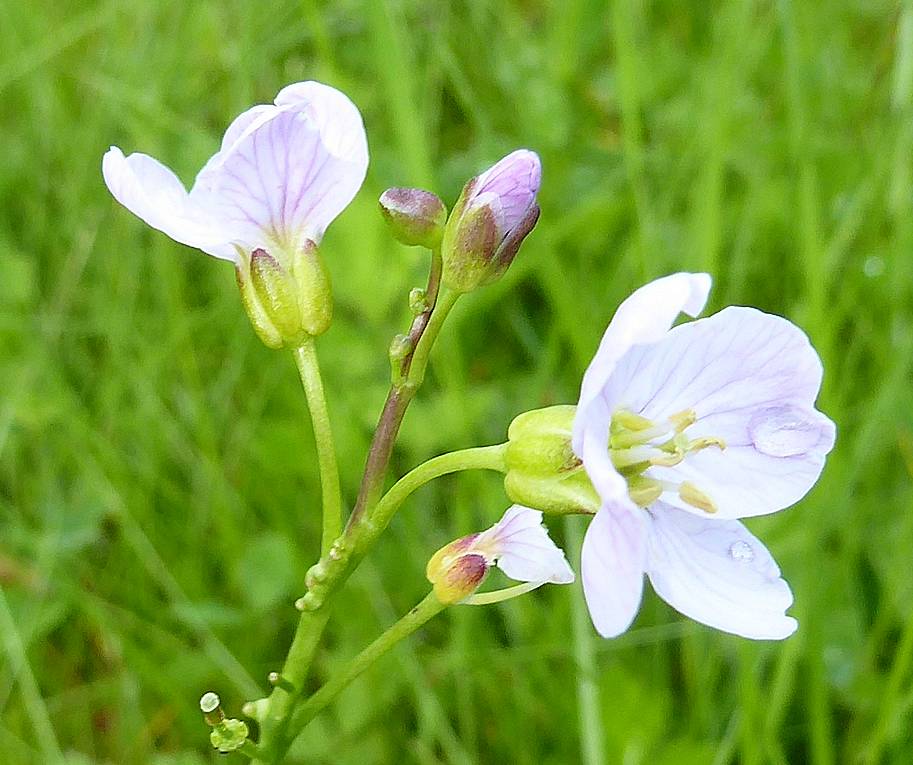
(415, 217)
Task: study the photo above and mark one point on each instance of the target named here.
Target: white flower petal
(335, 116)
(751, 379)
(245, 121)
(719, 574)
(286, 177)
(522, 548)
(643, 318)
(154, 194)
(593, 450)
(612, 565)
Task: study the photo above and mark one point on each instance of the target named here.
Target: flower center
(637, 444)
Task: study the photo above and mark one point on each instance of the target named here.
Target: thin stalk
(476, 458)
(337, 570)
(397, 402)
(424, 611)
(592, 741)
(309, 371)
(281, 700)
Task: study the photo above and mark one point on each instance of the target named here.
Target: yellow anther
(644, 491)
(706, 442)
(683, 419)
(696, 498)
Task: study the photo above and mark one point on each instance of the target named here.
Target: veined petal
(156, 196)
(751, 379)
(520, 546)
(643, 318)
(290, 170)
(509, 187)
(719, 574)
(335, 116)
(612, 564)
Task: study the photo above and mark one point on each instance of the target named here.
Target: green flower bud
(415, 217)
(542, 470)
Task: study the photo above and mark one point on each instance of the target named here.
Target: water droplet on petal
(785, 431)
(741, 551)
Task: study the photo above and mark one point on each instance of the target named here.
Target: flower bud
(286, 302)
(227, 735)
(457, 570)
(494, 214)
(415, 217)
(542, 470)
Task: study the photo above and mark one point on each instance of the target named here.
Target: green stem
(397, 402)
(337, 562)
(333, 572)
(590, 729)
(424, 611)
(281, 700)
(445, 302)
(477, 458)
(309, 371)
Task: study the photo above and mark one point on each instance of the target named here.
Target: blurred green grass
(156, 464)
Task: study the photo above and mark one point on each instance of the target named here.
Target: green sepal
(260, 321)
(471, 239)
(542, 470)
(315, 297)
(276, 290)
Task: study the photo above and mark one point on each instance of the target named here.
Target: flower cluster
(679, 431)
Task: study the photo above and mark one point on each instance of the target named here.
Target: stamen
(683, 419)
(637, 455)
(644, 491)
(705, 442)
(669, 459)
(692, 495)
(496, 596)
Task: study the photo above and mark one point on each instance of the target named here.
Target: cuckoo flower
(518, 544)
(494, 214)
(263, 201)
(682, 431)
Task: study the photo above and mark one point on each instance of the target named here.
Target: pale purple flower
(518, 544)
(283, 173)
(682, 431)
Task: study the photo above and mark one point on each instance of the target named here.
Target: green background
(158, 496)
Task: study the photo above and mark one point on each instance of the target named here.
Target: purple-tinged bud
(415, 217)
(457, 570)
(492, 217)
